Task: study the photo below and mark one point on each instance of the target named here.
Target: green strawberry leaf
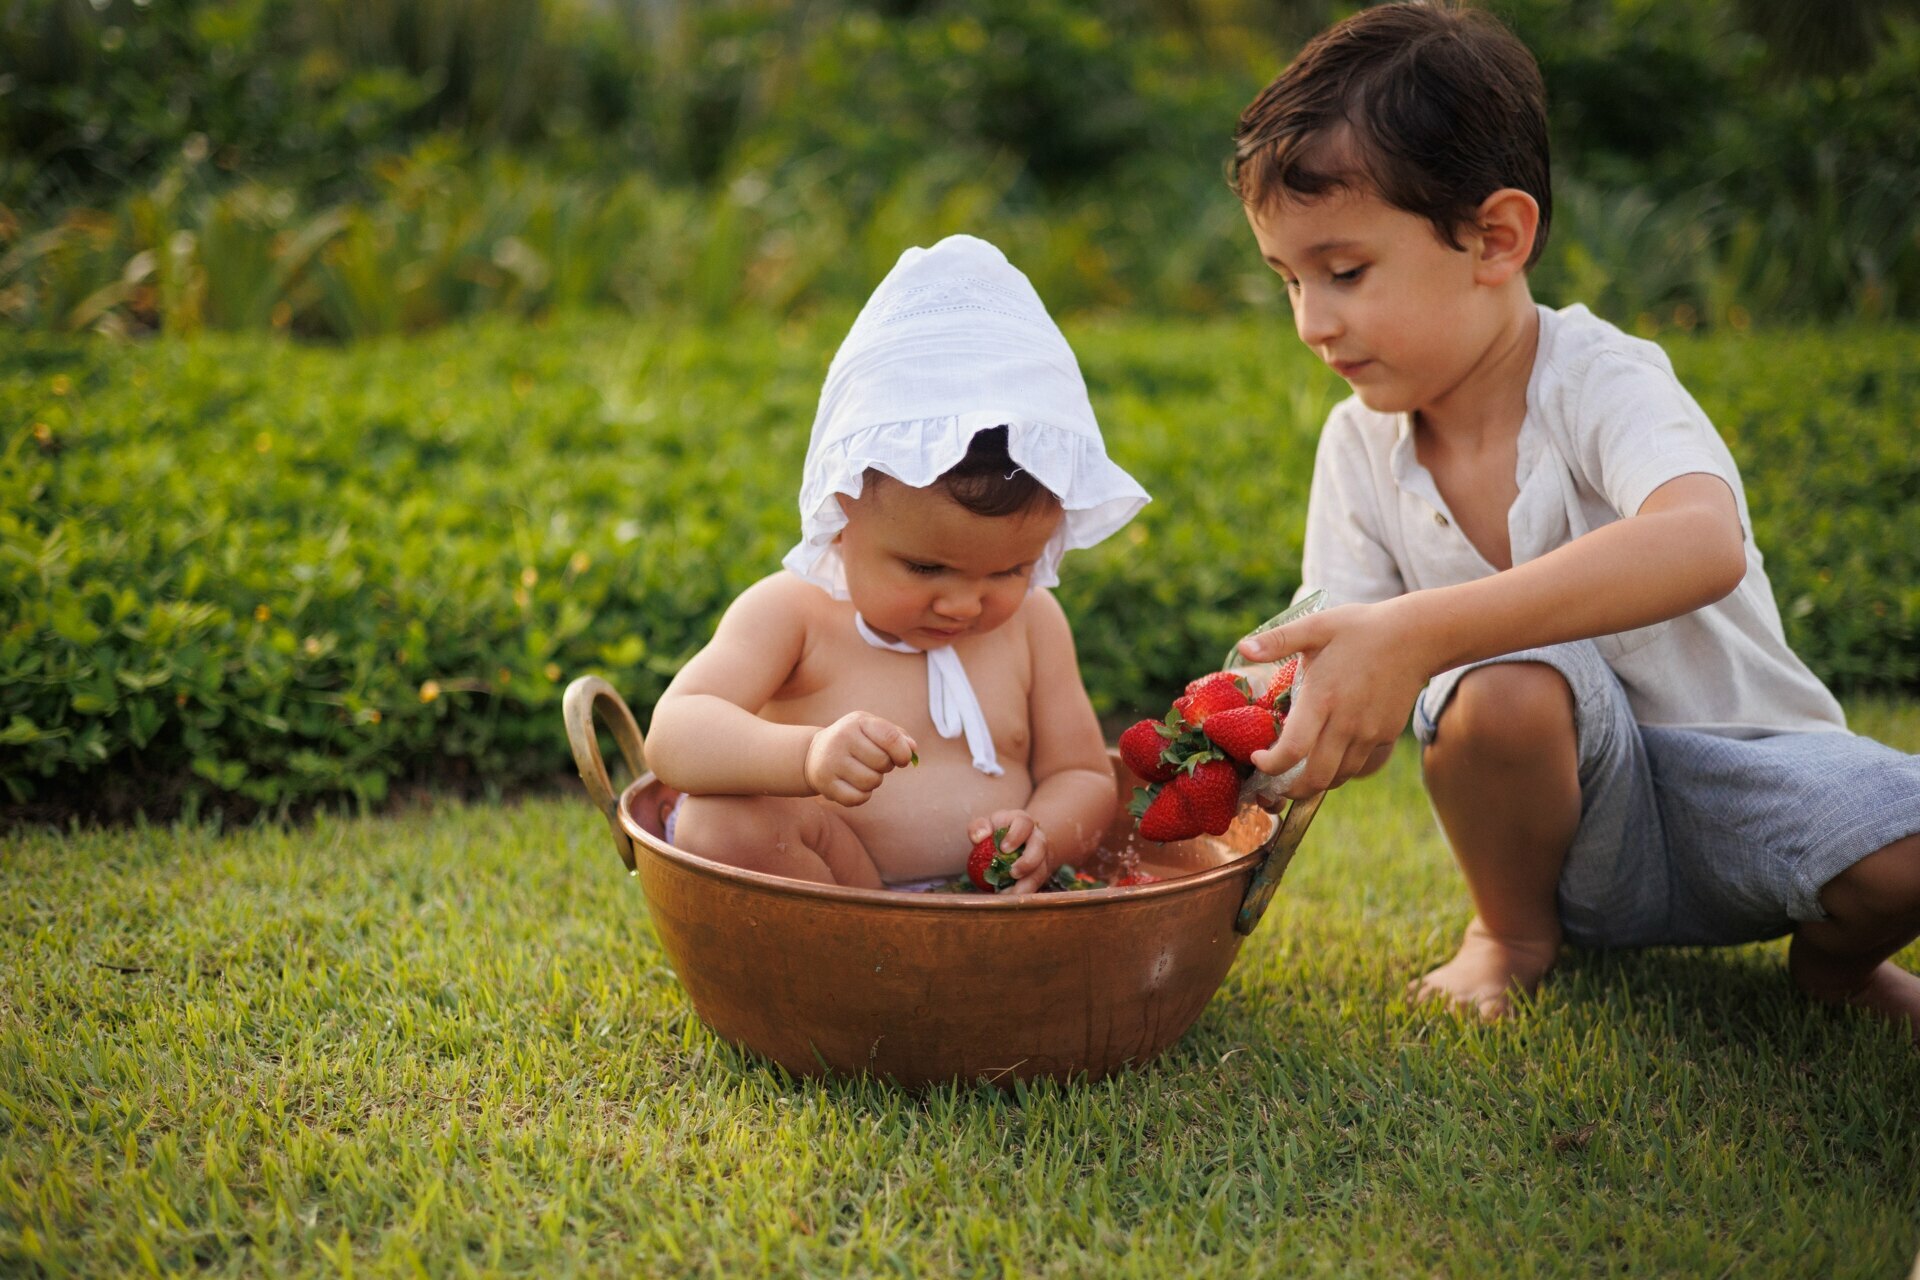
(999, 872)
(1068, 880)
(1199, 758)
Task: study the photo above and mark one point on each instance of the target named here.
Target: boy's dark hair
(988, 482)
(1444, 106)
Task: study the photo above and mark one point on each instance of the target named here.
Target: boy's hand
(1032, 868)
(847, 759)
(1360, 673)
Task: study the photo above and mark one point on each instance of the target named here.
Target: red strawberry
(989, 866)
(1241, 731)
(1212, 794)
(1209, 694)
(1212, 678)
(1067, 880)
(1135, 877)
(1163, 815)
(1279, 690)
(1141, 746)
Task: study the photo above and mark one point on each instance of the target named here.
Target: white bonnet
(955, 341)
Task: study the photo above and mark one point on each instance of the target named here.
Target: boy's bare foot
(1873, 909)
(1889, 991)
(1486, 971)
(1893, 993)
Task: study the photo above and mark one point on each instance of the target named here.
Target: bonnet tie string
(950, 697)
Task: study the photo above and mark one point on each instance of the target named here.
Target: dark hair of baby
(988, 482)
(1432, 106)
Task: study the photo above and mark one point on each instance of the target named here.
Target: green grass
(445, 1041)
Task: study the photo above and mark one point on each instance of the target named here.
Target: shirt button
(1440, 519)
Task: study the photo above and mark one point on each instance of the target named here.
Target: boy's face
(1378, 295)
(924, 569)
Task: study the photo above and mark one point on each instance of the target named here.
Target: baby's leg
(1503, 772)
(801, 838)
(1873, 910)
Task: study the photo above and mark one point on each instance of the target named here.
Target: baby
(954, 460)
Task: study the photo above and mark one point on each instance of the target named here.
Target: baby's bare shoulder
(779, 597)
(774, 621)
(1046, 622)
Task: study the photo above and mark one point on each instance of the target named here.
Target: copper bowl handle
(1274, 856)
(582, 696)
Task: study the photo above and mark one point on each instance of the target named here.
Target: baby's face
(1377, 295)
(924, 569)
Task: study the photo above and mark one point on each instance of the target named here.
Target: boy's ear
(1509, 219)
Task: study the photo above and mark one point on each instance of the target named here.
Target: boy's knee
(1507, 713)
(1884, 885)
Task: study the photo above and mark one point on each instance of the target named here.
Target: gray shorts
(1689, 838)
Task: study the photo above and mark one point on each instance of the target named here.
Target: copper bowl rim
(895, 900)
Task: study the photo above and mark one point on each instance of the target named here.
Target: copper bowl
(923, 988)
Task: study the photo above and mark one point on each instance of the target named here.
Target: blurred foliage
(339, 168)
(247, 573)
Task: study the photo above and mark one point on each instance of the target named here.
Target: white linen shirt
(1607, 423)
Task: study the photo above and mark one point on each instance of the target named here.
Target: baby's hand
(847, 759)
(1032, 868)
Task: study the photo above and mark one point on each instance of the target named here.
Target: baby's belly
(915, 824)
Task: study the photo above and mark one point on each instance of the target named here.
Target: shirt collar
(1410, 476)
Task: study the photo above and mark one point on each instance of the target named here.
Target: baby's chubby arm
(1366, 664)
(706, 738)
(1073, 795)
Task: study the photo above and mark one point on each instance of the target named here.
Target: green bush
(1827, 432)
(337, 169)
(238, 571)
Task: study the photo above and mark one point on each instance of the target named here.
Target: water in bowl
(1125, 852)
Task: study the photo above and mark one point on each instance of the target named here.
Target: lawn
(444, 1041)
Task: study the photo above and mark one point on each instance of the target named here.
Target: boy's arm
(1073, 794)
(1366, 664)
(706, 737)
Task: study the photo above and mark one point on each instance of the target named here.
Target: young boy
(1542, 551)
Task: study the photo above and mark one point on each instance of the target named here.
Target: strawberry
(1163, 815)
(1211, 791)
(1067, 880)
(1213, 678)
(989, 866)
(1135, 877)
(1211, 693)
(1141, 748)
(1241, 731)
(1279, 690)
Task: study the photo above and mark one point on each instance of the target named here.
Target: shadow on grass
(1735, 1001)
